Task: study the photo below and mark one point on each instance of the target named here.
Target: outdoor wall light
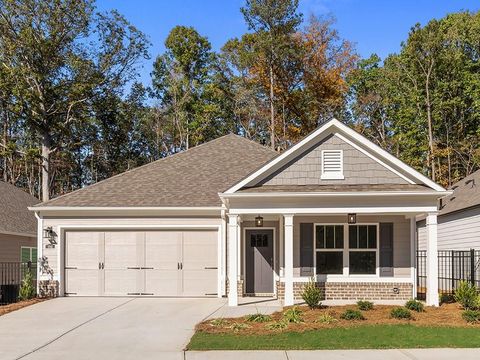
(50, 235)
(259, 221)
(352, 218)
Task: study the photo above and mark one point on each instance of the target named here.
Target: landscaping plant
(445, 298)
(220, 322)
(352, 315)
(277, 325)
(414, 305)
(326, 319)
(293, 315)
(471, 315)
(27, 289)
(466, 295)
(311, 294)
(365, 305)
(239, 326)
(258, 318)
(401, 313)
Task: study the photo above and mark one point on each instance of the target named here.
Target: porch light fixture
(352, 218)
(50, 235)
(259, 221)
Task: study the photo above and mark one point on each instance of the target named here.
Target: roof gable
(466, 194)
(349, 136)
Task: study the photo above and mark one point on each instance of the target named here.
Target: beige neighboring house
(458, 217)
(18, 226)
(233, 218)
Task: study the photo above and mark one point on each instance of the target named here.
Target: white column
(39, 249)
(432, 260)
(413, 255)
(233, 239)
(288, 271)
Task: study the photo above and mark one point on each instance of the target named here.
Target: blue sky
(372, 25)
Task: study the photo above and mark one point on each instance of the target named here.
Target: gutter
(333, 194)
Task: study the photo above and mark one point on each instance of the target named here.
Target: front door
(259, 261)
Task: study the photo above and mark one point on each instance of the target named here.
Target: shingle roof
(340, 188)
(192, 178)
(14, 215)
(466, 193)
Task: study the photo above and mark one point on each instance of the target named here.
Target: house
(232, 218)
(458, 217)
(18, 226)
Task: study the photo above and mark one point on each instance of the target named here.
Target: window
(259, 240)
(362, 241)
(329, 242)
(28, 254)
(332, 164)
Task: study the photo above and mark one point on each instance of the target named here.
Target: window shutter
(386, 249)
(306, 249)
(332, 164)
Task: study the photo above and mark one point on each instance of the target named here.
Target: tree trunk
(46, 150)
(430, 126)
(272, 112)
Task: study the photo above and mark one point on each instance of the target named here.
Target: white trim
(244, 248)
(233, 234)
(337, 211)
(413, 255)
(122, 208)
(59, 274)
(288, 234)
(332, 175)
(39, 249)
(333, 193)
(334, 123)
(359, 279)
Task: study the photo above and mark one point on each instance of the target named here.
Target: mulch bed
(5, 309)
(447, 315)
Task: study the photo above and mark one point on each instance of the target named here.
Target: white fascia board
(100, 208)
(335, 211)
(333, 193)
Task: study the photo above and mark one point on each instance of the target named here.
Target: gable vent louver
(332, 164)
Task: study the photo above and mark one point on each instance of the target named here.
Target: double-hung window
(329, 246)
(362, 243)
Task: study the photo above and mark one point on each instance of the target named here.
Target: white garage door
(159, 263)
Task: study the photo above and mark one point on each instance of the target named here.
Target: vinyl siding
(10, 246)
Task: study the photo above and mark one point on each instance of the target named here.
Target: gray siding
(456, 231)
(10, 246)
(358, 168)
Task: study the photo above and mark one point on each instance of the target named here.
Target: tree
(61, 54)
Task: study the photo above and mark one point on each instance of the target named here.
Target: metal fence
(453, 267)
(11, 275)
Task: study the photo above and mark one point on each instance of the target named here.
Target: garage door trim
(62, 229)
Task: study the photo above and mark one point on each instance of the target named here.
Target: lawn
(357, 337)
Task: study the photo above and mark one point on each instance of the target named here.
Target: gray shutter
(386, 249)
(306, 249)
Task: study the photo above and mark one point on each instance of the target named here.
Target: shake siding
(358, 168)
(10, 246)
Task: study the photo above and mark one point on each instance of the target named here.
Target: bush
(352, 315)
(445, 298)
(365, 305)
(258, 318)
(293, 315)
(471, 315)
(27, 290)
(326, 319)
(401, 313)
(277, 325)
(414, 305)
(466, 295)
(311, 294)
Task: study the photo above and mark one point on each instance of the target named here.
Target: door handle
(181, 266)
(103, 265)
(100, 265)
(178, 266)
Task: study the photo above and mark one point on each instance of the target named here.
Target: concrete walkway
(404, 354)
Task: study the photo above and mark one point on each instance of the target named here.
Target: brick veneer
(239, 287)
(353, 290)
(47, 288)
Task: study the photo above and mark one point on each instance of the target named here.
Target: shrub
(293, 315)
(445, 298)
(414, 305)
(365, 305)
(220, 322)
(471, 315)
(326, 319)
(311, 294)
(401, 313)
(352, 315)
(277, 325)
(466, 295)
(238, 326)
(27, 290)
(258, 318)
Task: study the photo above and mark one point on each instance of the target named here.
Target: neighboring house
(458, 217)
(18, 226)
(233, 218)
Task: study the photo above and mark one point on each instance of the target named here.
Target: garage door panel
(199, 250)
(82, 282)
(123, 249)
(122, 282)
(162, 282)
(83, 249)
(163, 249)
(200, 282)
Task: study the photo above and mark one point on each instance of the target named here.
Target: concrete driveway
(103, 328)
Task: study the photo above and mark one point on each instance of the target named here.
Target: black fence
(11, 275)
(453, 266)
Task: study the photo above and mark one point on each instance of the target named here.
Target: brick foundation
(48, 288)
(353, 290)
(239, 287)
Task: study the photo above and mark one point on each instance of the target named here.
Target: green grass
(358, 337)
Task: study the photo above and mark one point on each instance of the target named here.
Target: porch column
(288, 233)
(233, 239)
(432, 260)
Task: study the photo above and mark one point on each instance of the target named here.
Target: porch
(351, 255)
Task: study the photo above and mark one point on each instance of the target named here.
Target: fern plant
(27, 289)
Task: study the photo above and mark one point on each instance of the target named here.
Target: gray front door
(259, 261)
